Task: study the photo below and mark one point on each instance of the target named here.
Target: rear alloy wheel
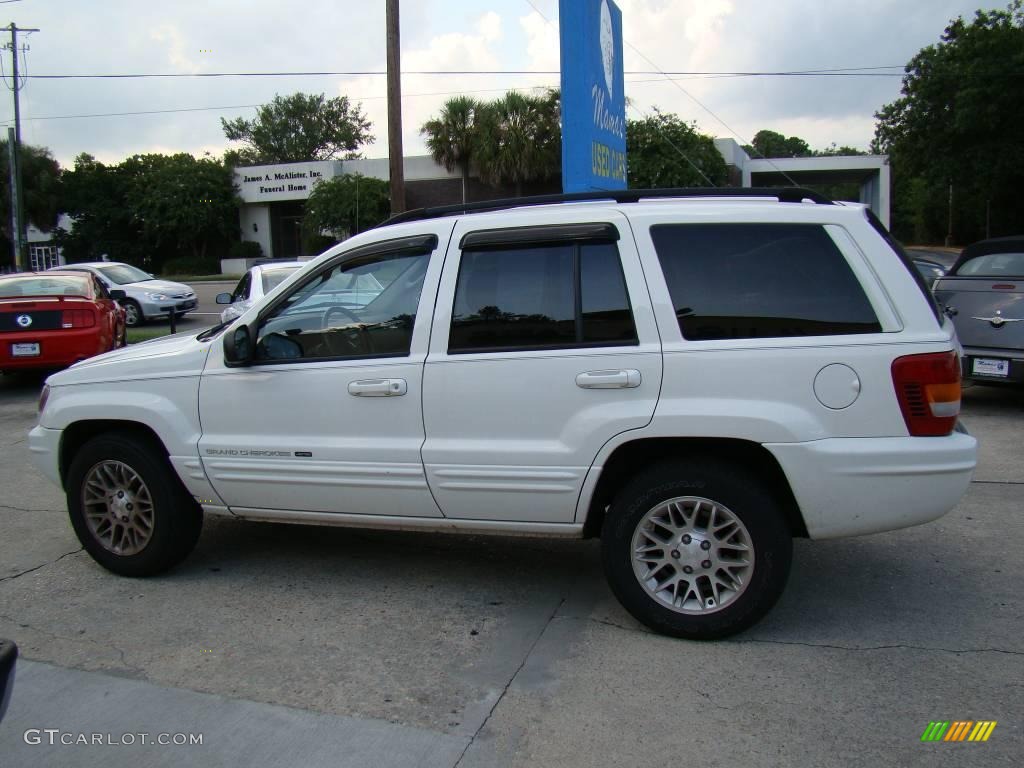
(132, 314)
(696, 549)
(128, 508)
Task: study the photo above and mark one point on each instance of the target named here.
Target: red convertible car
(54, 319)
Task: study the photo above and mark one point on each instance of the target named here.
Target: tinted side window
(537, 297)
(242, 289)
(362, 308)
(749, 281)
(603, 298)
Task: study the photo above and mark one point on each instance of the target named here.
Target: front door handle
(378, 388)
(622, 379)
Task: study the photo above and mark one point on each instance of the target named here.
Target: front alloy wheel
(128, 507)
(132, 314)
(118, 507)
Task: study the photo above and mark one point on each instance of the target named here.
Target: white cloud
(171, 37)
(475, 50)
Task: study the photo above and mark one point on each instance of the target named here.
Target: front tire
(128, 508)
(133, 314)
(696, 549)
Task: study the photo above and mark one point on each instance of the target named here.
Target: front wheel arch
(77, 434)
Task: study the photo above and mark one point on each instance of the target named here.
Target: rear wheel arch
(633, 457)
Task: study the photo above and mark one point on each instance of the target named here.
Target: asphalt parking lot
(288, 645)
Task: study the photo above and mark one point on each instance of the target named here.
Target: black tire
(177, 518)
(133, 316)
(746, 498)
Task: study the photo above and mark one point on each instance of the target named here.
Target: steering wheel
(364, 333)
(342, 310)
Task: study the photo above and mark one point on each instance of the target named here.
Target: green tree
(41, 186)
(958, 122)
(185, 205)
(663, 151)
(150, 208)
(771, 144)
(833, 151)
(521, 139)
(97, 198)
(344, 206)
(454, 136)
(298, 128)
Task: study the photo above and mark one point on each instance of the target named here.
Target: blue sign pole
(593, 96)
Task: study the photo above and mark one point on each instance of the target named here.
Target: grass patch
(135, 335)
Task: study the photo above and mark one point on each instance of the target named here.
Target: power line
(256, 106)
(842, 72)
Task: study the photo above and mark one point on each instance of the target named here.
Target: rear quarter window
(752, 281)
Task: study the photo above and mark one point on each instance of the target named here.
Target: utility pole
(17, 198)
(12, 154)
(949, 234)
(395, 109)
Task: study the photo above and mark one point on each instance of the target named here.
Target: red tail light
(928, 389)
(77, 318)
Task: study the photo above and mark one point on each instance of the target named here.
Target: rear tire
(696, 549)
(128, 508)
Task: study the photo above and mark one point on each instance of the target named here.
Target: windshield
(44, 286)
(122, 274)
(274, 277)
(994, 265)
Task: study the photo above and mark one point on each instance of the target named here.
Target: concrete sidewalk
(234, 732)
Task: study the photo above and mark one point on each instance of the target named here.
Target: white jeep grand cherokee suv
(694, 376)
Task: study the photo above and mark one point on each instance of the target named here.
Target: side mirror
(8, 656)
(238, 346)
(117, 294)
(223, 298)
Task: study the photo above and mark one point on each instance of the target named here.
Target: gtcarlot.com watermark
(57, 737)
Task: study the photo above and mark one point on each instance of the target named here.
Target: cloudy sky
(209, 36)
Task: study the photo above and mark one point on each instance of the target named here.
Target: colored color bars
(958, 730)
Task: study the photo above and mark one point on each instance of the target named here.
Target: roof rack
(783, 194)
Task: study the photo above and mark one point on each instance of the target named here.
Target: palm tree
(521, 139)
(454, 136)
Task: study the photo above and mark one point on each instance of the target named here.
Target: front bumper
(153, 309)
(44, 447)
(853, 486)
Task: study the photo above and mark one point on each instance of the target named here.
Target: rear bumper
(57, 348)
(1014, 358)
(853, 486)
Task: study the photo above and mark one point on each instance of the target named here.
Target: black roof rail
(782, 194)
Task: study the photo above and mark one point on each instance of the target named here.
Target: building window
(43, 257)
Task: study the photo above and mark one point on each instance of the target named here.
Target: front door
(548, 350)
(328, 417)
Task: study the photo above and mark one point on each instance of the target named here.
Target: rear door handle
(378, 388)
(622, 379)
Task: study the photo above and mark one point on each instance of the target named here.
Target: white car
(146, 297)
(256, 283)
(695, 377)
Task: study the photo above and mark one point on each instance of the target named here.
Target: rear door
(543, 348)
